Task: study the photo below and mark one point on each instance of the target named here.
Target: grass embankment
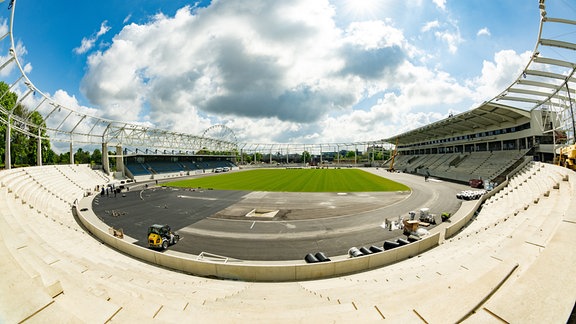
(295, 180)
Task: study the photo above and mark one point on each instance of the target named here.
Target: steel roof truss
(550, 61)
(538, 84)
(557, 43)
(520, 99)
(530, 92)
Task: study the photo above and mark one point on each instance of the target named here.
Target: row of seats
(460, 166)
(155, 167)
(496, 269)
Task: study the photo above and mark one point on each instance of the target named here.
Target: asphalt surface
(215, 221)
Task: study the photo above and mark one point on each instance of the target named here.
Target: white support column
(71, 153)
(105, 161)
(39, 149)
(119, 159)
(7, 158)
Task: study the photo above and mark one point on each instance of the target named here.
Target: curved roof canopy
(547, 82)
(482, 117)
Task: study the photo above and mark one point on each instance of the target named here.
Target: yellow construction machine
(161, 236)
(566, 157)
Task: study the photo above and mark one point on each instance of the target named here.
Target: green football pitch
(294, 180)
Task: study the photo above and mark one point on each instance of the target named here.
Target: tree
(64, 158)
(19, 144)
(25, 129)
(51, 157)
(81, 157)
(306, 157)
(7, 100)
(96, 157)
(38, 127)
(112, 162)
(203, 151)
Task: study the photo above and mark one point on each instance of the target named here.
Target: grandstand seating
(138, 169)
(170, 167)
(460, 166)
(517, 249)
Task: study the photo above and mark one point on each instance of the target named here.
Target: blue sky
(296, 71)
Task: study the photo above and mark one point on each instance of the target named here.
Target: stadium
(70, 254)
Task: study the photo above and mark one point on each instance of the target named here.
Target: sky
(297, 71)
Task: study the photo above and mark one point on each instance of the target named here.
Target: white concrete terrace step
(522, 300)
(11, 177)
(278, 314)
(20, 295)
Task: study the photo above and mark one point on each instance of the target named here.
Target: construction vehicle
(161, 237)
(567, 157)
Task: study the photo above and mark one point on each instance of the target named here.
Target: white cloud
(449, 35)
(483, 32)
(440, 4)
(430, 25)
(87, 43)
(20, 51)
(279, 72)
(270, 60)
(498, 74)
(452, 39)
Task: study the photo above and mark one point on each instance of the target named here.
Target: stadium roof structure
(483, 117)
(548, 82)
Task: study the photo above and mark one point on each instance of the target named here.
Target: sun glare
(362, 8)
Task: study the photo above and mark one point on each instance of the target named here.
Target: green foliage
(64, 158)
(23, 145)
(96, 157)
(295, 180)
(247, 158)
(258, 157)
(51, 157)
(81, 157)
